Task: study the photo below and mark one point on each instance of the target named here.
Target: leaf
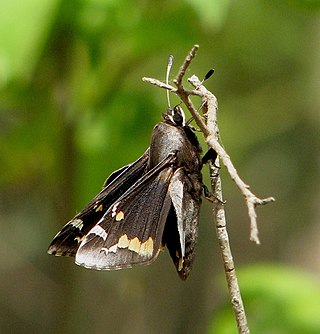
(277, 299)
(24, 27)
(211, 13)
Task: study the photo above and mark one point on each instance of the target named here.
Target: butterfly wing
(131, 230)
(181, 230)
(67, 241)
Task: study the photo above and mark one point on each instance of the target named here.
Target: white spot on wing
(114, 209)
(104, 249)
(78, 223)
(99, 231)
(113, 248)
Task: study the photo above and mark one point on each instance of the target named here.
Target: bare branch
(212, 140)
(211, 133)
(210, 104)
(185, 65)
(160, 84)
(229, 268)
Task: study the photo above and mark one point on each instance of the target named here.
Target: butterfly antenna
(207, 76)
(170, 62)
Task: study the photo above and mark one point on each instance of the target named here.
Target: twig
(211, 107)
(160, 84)
(211, 134)
(186, 63)
(229, 267)
(212, 140)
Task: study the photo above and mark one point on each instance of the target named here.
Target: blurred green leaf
(211, 13)
(307, 4)
(24, 28)
(277, 299)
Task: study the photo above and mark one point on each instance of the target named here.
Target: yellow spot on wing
(79, 239)
(146, 248)
(119, 216)
(99, 208)
(180, 266)
(123, 242)
(134, 245)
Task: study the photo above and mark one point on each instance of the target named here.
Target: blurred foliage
(73, 108)
(279, 299)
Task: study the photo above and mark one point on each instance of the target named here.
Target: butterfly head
(175, 116)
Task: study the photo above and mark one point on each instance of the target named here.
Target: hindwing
(181, 230)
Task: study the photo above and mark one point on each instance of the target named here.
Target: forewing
(130, 232)
(67, 241)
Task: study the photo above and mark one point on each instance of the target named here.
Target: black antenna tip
(208, 75)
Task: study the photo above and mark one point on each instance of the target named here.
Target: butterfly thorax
(173, 136)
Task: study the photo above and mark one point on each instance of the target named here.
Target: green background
(73, 108)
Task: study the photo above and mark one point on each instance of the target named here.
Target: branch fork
(211, 133)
